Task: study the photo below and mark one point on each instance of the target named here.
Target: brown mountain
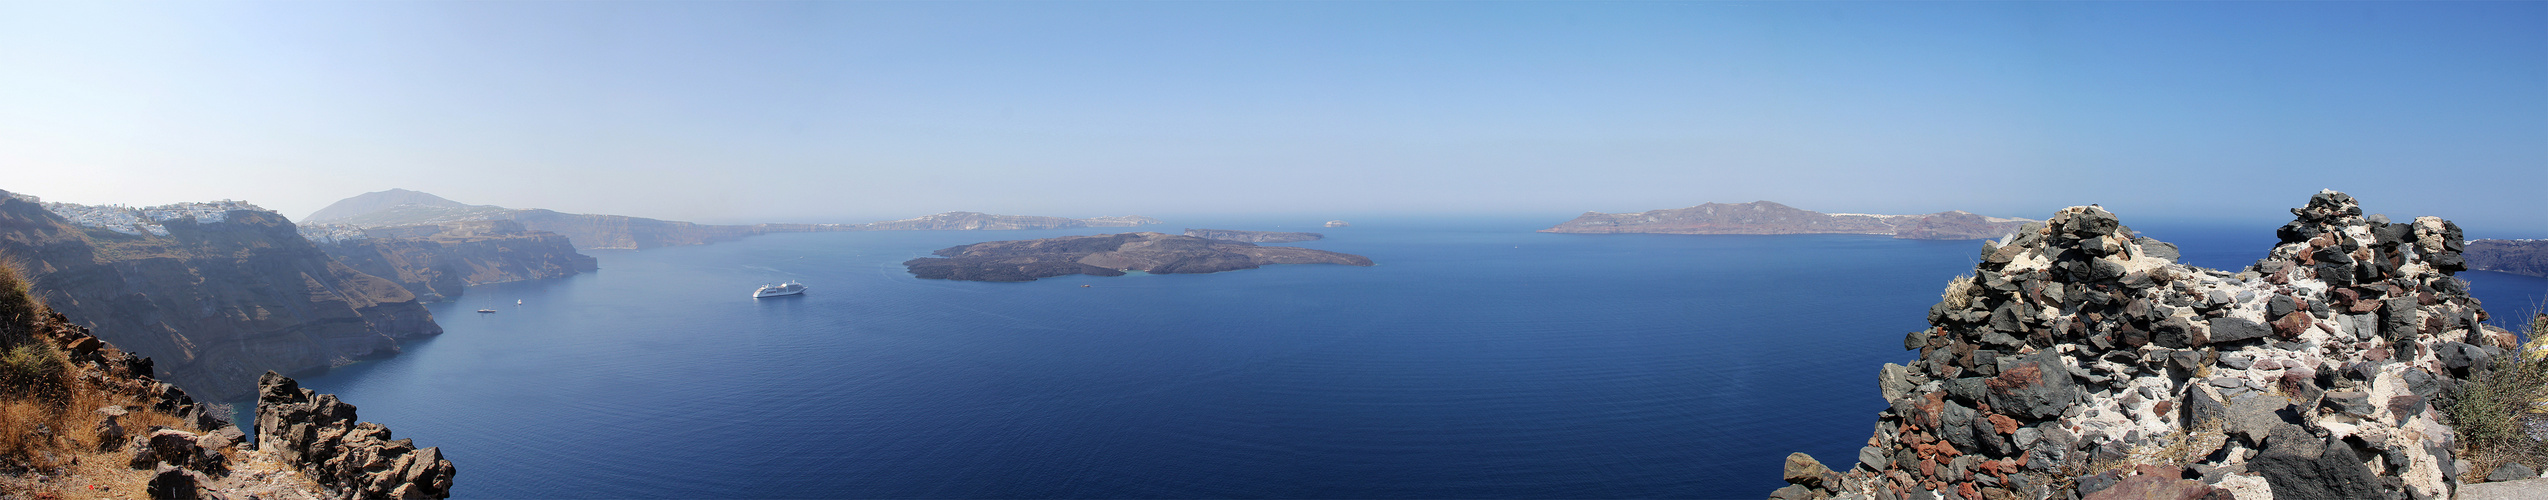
(1763, 217)
(1110, 255)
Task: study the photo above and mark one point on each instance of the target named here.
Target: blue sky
(855, 111)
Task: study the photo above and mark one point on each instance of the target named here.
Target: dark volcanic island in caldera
(1110, 255)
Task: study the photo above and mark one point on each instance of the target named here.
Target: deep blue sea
(1478, 360)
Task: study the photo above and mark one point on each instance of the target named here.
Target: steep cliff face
(435, 262)
(216, 303)
(1763, 217)
(2523, 257)
(2082, 360)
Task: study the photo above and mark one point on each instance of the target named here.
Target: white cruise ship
(788, 288)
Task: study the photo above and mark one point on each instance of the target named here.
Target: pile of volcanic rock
(2083, 361)
(319, 435)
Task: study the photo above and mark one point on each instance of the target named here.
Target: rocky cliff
(216, 297)
(1110, 255)
(435, 261)
(1762, 217)
(2523, 257)
(1252, 236)
(94, 423)
(2080, 360)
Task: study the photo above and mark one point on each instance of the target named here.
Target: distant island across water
(1112, 255)
(1765, 217)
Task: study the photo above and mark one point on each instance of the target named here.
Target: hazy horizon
(863, 111)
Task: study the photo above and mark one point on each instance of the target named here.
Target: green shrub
(2494, 411)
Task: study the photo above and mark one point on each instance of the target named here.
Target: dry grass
(1959, 292)
(48, 411)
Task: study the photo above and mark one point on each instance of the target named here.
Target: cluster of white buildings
(136, 221)
(331, 233)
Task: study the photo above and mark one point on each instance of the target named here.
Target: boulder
(2300, 465)
(2227, 329)
(1803, 470)
(2512, 471)
(2037, 386)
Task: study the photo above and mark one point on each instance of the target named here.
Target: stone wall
(2081, 360)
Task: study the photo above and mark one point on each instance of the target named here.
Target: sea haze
(1478, 359)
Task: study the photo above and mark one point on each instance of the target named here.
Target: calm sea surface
(1479, 359)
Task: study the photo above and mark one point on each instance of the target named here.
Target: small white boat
(788, 288)
(517, 302)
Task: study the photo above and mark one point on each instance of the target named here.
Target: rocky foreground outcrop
(1110, 255)
(216, 296)
(320, 436)
(2080, 360)
(1763, 217)
(2523, 257)
(309, 446)
(1253, 236)
(435, 262)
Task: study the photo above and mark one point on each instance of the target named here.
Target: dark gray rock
(2398, 319)
(2463, 359)
(2005, 318)
(2279, 306)
(1874, 458)
(2205, 409)
(2299, 465)
(2512, 472)
(1967, 390)
(2228, 329)
(2156, 248)
(2356, 403)
(1955, 424)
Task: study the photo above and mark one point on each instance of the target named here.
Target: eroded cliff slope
(435, 262)
(217, 296)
